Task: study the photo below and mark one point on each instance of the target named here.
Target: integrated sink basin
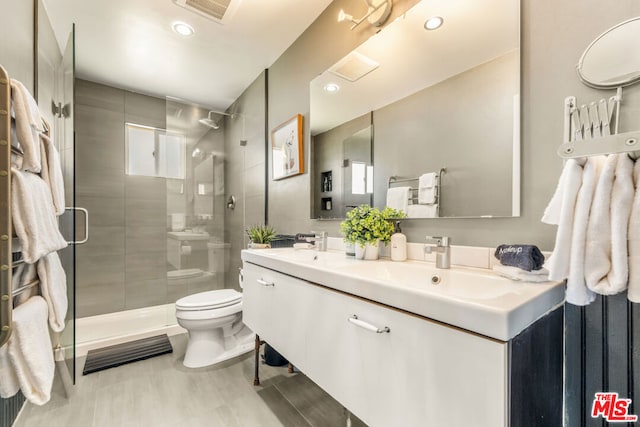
(188, 235)
(473, 299)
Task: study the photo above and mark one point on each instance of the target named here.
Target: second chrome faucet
(442, 250)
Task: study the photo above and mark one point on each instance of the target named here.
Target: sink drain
(435, 279)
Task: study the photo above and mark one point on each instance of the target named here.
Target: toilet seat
(209, 300)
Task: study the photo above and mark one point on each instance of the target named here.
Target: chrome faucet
(319, 239)
(442, 249)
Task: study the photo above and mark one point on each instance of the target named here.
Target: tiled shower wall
(123, 265)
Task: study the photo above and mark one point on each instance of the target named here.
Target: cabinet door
(421, 373)
(276, 308)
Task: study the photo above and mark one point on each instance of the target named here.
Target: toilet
(213, 320)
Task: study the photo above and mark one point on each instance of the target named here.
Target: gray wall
(244, 171)
(16, 33)
(554, 34)
(465, 124)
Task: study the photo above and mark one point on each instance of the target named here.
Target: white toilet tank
(218, 257)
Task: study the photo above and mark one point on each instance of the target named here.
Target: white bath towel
(427, 188)
(515, 273)
(53, 285)
(52, 172)
(422, 211)
(606, 256)
(23, 275)
(570, 182)
(30, 350)
(33, 217)
(577, 291)
(398, 198)
(28, 126)
(9, 385)
(634, 240)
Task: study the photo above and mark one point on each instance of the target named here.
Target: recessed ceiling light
(182, 28)
(331, 87)
(433, 23)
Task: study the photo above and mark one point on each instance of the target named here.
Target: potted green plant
(365, 227)
(261, 236)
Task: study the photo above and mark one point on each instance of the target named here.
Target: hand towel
(28, 126)
(427, 188)
(558, 263)
(634, 240)
(515, 273)
(30, 350)
(52, 172)
(53, 285)
(422, 211)
(23, 275)
(606, 262)
(398, 198)
(525, 257)
(577, 291)
(9, 385)
(33, 217)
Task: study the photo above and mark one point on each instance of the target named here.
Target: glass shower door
(72, 222)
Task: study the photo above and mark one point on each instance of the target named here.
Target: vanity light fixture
(331, 87)
(183, 28)
(378, 12)
(433, 23)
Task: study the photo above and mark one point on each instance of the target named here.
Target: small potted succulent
(365, 227)
(261, 236)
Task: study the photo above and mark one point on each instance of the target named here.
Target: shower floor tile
(162, 392)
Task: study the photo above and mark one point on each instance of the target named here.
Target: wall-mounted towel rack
(588, 130)
(5, 207)
(394, 179)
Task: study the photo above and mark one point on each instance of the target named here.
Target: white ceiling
(130, 44)
(411, 58)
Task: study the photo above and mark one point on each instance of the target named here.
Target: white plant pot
(370, 251)
(259, 245)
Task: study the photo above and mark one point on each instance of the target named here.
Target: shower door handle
(86, 225)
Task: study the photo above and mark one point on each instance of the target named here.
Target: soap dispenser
(398, 244)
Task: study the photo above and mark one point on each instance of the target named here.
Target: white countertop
(474, 299)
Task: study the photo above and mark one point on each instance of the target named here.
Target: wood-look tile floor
(161, 392)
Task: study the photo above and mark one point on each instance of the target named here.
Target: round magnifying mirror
(613, 58)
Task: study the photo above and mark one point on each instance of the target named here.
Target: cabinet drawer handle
(265, 283)
(368, 326)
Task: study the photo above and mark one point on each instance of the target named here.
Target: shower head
(208, 121)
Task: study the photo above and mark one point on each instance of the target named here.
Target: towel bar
(394, 179)
(25, 287)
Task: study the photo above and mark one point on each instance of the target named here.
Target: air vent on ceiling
(216, 10)
(354, 66)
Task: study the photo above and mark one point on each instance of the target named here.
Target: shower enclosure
(152, 178)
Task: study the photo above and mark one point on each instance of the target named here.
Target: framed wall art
(286, 148)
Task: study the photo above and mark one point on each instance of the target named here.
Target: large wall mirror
(428, 100)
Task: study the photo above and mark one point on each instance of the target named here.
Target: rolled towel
(34, 219)
(525, 257)
(515, 273)
(52, 173)
(30, 350)
(28, 126)
(567, 193)
(53, 285)
(633, 294)
(606, 256)
(398, 198)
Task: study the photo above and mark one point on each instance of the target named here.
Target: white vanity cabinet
(419, 373)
